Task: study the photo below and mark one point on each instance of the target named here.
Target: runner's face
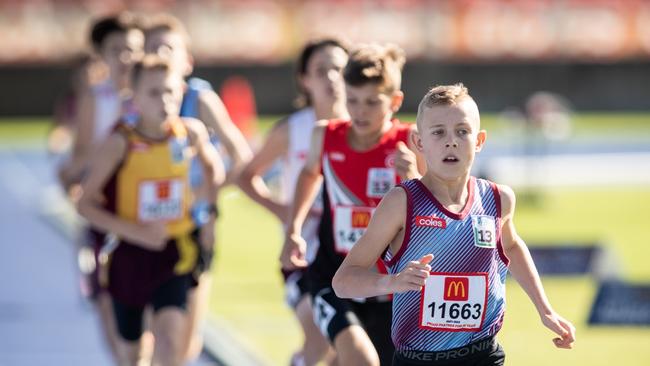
(449, 138)
(323, 79)
(170, 45)
(369, 107)
(158, 95)
(121, 50)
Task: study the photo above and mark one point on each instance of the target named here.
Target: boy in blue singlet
(448, 240)
(166, 37)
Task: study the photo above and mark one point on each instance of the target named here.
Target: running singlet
(354, 183)
(190, 104)
(151, 184)
(109, 107)
(301, 125)
(463, 300)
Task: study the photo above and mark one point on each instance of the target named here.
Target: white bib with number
(160, 200)
(350, 222)
(380, 181)
(454, 302)
(484, 231)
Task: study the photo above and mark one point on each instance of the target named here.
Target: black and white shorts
(332, 315)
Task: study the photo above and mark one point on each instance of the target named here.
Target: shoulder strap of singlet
(190, 104)
(409, 186)
(333, 125)
(403, 132)
(329, 137)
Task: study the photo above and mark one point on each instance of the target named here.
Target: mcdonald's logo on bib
(360, 219)
(456, 289)
(162, 189)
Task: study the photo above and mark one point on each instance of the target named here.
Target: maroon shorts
(135, 273)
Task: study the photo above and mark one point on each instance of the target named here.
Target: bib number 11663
(454, 301)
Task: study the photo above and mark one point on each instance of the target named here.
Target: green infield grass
(247, 289)
(248, 293)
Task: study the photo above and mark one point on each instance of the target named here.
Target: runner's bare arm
(355, 278)
(250, 180)
(215, 116)
(72, 170)
(524, 271)
(214, 172)
(209, 157)
(101, 167)
(309, 179)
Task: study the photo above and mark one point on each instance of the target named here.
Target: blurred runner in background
(138, 188)
(322, 97)
(360, 159)
(166, 37)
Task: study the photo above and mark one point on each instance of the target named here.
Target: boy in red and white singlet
(361, 159)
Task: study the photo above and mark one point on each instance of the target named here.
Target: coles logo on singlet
(431, 221)
(337, 156)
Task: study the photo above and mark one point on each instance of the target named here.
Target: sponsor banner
(620, 303)
(229, 31)
(565, 259)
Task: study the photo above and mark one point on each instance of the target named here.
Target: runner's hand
(293, 252)
(561, 327)
(412, 277)
(206, 235)
(405, 162)
(152, 236)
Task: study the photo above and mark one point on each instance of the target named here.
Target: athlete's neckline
(168, 134)
(384, 137)
(468, 205)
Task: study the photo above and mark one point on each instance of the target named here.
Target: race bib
(160, 200)
(350, 222)
(454, 302)
(380, 181)
(484, 229)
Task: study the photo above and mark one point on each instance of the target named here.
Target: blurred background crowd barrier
(596, 51)
(230, 30)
